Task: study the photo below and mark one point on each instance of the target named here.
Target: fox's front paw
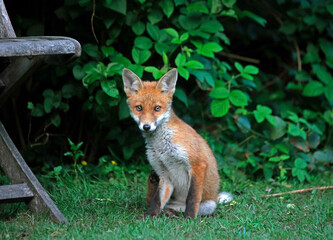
(151, 212)
(189, 214)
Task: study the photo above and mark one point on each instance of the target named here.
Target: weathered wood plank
(18, 171)
(15, 193)
(6, 28)
(37, 46)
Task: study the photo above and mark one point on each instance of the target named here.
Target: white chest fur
(169, 160)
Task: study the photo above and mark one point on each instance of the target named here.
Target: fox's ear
(132, 83)
(167, 83)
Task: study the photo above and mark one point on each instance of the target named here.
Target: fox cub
(185, 176)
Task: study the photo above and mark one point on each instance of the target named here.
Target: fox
(185, 175)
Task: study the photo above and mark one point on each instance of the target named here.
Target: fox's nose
(146, 127)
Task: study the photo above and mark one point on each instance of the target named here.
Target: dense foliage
(255, 81)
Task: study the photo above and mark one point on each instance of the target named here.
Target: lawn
(100, 209)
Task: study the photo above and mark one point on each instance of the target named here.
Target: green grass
(109, 210)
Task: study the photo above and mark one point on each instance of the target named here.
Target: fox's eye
(139, 108)
(157, 108)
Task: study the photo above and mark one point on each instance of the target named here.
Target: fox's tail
(224, 197)
(207, 208)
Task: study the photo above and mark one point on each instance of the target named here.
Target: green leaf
(56, 120)
(244, 124)
(180, 60)
(239, 67)
(310, 19)
(140, 56)
(329, 93)
(313, 89)
(137, 69)
(117, 5)
(302, 76)
(183, 72)
(143, 43)
(288, 28)
(300, 163)
(48, 103)
(215, 6)
(211, 26)
(279, 130)
(261, 113)
(247, 76)
(238, 98)
(30, 105)
(229, 13)
(78, 72)
(172, 32)
(162, 48)
(204, 77)
(165, 59)
(213, 46)
(167, 7)
(68, 91)
(90, 78)
(109, 87)
(250, 69)
(312, 54)
(282, 148)
(322, 73)
(194, 64)
(329, 8)
(107, 51)
(198, 7)
(91, 50)
(184, 37)
(271, 120)
(108, 21)
(181, 95)
(155, 71)
(219, 93)
(155, 16)
(153, 31)
(299, 173)
(189, 22)
(229, 3)
(255, 17)
(274, 159)
(123, 109)
(38, 110)
(220, 108)
(294, 86)
(223, 37)
(138, 28)
(327, 47)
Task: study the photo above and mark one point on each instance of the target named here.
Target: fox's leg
(161, 197)
(152, 185)
(195, 192)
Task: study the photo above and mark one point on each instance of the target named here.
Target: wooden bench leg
(15, 193)
(18, 172)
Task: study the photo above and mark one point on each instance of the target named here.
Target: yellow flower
(84, 163)
(114, 162)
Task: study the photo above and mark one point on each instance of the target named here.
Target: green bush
(276, 122)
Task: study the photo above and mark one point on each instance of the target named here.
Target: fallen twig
(296, 191)
(238, 57)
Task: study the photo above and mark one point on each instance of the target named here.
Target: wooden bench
(26, 55)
